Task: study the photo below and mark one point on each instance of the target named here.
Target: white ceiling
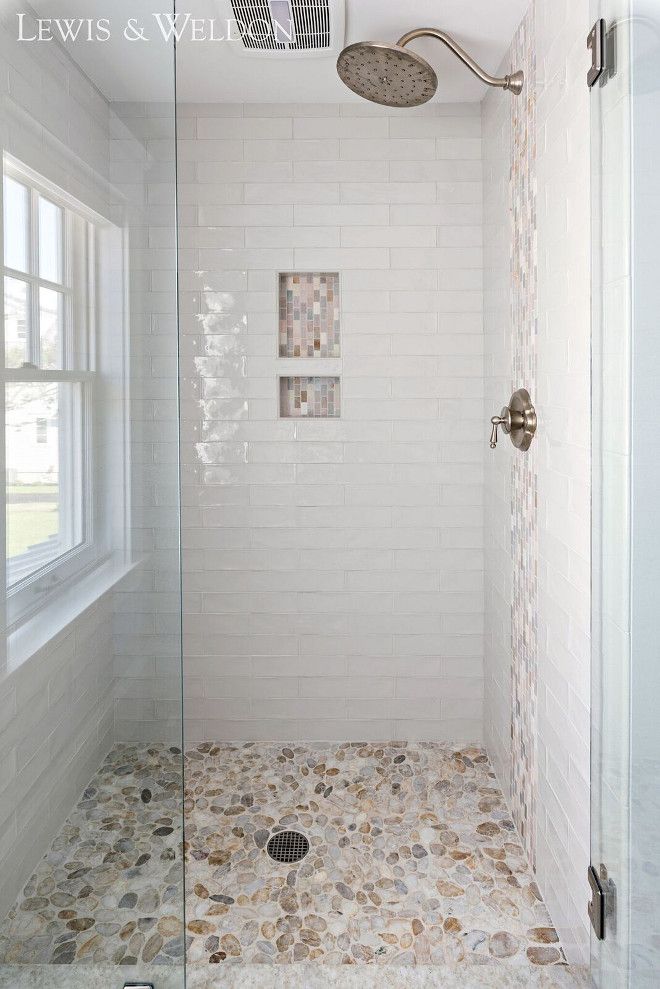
(211, 72)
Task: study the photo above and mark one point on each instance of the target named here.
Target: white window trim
(28, 598)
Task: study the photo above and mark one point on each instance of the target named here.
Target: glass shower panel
(91, 797)
(645, 497)
(611, 328)
(626, 549)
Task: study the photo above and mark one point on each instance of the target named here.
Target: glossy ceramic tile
(368, 521)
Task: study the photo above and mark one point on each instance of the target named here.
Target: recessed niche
(309, 314)
(309, 398)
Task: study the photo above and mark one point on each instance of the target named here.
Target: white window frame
(28, 587)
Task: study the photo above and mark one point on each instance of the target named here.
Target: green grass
(40, 489)
(30, 522)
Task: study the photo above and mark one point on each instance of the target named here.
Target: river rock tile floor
(413, 860)
(109, 889)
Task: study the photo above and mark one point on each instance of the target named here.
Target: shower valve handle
(497, 421)
(517, 420)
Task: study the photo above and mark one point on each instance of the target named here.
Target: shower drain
(288, 846)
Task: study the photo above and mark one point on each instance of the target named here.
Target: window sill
(61, 610)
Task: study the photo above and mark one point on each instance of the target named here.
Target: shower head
(393, 76)
(387, 74)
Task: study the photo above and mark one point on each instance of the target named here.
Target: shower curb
(297, 976)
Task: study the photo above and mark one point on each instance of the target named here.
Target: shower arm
(513, 82)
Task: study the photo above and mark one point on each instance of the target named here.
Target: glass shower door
(611, 325)
(91, 869)
(626, 459)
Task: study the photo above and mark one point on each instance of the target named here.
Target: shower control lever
(502, 421)
(517, 420)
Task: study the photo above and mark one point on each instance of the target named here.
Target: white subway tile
(216, 151)
(291, 151)
(341, 215)
(388, 192)
(435, 127)
(451, 170)
(292, 192)
(389, 150)
(338, 127)
(294, 557)
(341, 171)
(445, 214)
(243, 128)
(417, 237)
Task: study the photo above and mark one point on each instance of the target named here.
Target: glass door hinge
(596, 43)
(603, 45)
(602, 906)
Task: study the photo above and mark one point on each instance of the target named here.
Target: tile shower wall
(537, 681)
(563, 459)
(510, 285)
(147, 622)
(333, 569)
(55, 708)
(57, 722)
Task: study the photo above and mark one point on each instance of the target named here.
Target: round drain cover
(288, 846)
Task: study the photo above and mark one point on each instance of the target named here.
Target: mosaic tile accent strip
(309, 398)
(524, 526)
(414, 860)
(309, 315)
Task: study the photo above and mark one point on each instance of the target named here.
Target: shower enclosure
(299, 671)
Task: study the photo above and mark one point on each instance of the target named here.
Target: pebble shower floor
(414, 860)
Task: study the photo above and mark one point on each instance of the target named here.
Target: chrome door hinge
(596, 43)
(602, 907)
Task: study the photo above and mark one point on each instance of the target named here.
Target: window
(49, 246)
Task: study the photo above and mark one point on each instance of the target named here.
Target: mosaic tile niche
(309, 398)
(309, 314)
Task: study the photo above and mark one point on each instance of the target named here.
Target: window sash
(27, 586)
(78, 252)
(73, 346)
(72, 525)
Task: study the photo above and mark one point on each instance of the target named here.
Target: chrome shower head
(387, 74)
(393, 76)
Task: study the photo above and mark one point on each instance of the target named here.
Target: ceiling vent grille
(312, 25)
(272, 28)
